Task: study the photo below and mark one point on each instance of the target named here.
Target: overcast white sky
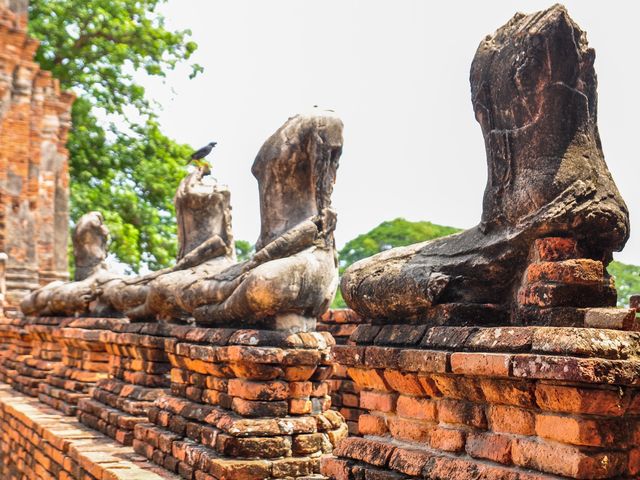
(397, 74)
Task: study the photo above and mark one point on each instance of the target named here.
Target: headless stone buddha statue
(90, 240)
(205, 245)
(292, 277)
(533, 89)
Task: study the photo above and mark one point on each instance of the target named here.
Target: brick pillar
(244, 404)
(34, 123)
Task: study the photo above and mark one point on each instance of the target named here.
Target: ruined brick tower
(34, 180)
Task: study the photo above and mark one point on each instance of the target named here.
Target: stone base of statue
(138, 375)
(244, 404)
(84, 361)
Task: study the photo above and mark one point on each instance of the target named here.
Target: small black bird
(203, 152)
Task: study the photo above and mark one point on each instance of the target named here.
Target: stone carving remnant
(533, 89)
(293, 274)
(90, 239)
(206, 246)
(289, 281)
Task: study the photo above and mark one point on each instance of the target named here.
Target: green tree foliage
(244, 250)
(627, 279)
(124, 166)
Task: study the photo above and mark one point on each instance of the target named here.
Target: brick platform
(84, 361)
(519, 403)
(138, 374)
(244, 404)
(39, 443)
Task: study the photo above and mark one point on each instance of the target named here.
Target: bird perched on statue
(197, 158)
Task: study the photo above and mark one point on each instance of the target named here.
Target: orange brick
(299, 373)
(372, 425)
(581, 431)
(407, 461)
(490, 446)
(414, 407)
(251, 390)
(511, 420)
(553, 249)
(570, 461)
(508, 392)
(447, 439)
(409, 430)
(300, 389)
(366, 450)
(335, 468)
(406, 383)
(429, 386)
(461, 413)
(462, 388)
(368, 378)
(579, 270)
(378, 401)
(561, 398)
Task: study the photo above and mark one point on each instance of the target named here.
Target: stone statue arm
(304, 235)
(213, 247)
(298, 238)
